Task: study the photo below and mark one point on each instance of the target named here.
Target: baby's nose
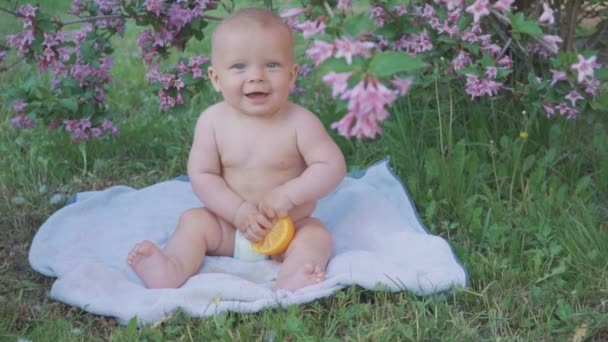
(256, 75)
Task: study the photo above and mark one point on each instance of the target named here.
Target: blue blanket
(379, 242)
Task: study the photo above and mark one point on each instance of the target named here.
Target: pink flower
(22, 121)
(547, 15)
(320, 51)
(503, 5)
(562, 108)
(400, 10)
(290, 15)
(477, 86)
(108, 126)
(491, 72)
(310, 28)
(584, 67)
(27, 11)
(462, 60)
(197, 73)
(166, 101)
(573, 96)
(337, 81)
(592, 86)
(402, 84)
(366, 109)
(178, 17)
(77, 6)
(344, 125)
(454, 4)
(552, 42)
(291, 12)
(548, 109)
(345, 48)
(19, 106)
(479, 9)
(557, 76)
(154, 6)
(505, 62)
(344, 4)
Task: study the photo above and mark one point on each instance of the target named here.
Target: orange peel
(278, 238)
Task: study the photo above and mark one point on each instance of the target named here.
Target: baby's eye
(272, 65)
(238, 66)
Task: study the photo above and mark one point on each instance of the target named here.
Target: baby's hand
(275, 205)
(251, 223)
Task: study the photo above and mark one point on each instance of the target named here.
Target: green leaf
(601, 102)
(520, 25)
(602, 74)
(70, 103)
(339, 65)
(44, 23)
(87, 50)
(502, 72)
(389, 62)
(470, 70)
(582, 185)
(358, 24)
(487, 61)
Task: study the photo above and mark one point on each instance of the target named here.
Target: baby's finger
(267, 211)
(264, 222)
(257, 232)
(281, 212)
(251, 236)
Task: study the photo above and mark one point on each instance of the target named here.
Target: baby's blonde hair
(252, 16)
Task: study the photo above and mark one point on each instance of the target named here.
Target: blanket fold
(378, 240)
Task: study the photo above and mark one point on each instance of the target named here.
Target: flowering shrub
(368, 59)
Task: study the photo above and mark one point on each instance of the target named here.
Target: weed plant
(522, 199)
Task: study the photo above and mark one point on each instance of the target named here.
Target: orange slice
(278, 238)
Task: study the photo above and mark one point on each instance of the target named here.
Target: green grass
(528, 218)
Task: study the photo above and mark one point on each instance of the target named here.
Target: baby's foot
(310, 274)
(152, 266)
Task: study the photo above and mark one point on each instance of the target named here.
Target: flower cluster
(368, 59)
(173, 83)
(83, 129)
(20, 118)
(586, 82)
(444, 30)
(80, 68)
(367, 102)
(23, 40)
(171, 19)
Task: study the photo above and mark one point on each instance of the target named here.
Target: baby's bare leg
(307, 256)
(198, 232)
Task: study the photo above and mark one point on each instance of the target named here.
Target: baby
(256, 157)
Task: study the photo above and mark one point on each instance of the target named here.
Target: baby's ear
(213, 76)
(294, 73)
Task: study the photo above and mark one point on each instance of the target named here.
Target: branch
(2, 9)
(504, 20)
(5, 68)
(328, 9)
(211, 17)
(87, 19)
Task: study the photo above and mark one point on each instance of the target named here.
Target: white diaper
(243, 249)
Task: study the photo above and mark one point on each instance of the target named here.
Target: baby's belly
(253, 184)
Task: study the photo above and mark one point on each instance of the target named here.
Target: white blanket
(380, 243)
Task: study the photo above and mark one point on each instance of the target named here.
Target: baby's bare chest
(259, 148)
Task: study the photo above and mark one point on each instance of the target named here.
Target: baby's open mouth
(256, 95)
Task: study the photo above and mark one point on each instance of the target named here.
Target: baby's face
(253, 68)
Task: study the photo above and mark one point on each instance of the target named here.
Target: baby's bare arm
(325, 162)
(205, 172)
